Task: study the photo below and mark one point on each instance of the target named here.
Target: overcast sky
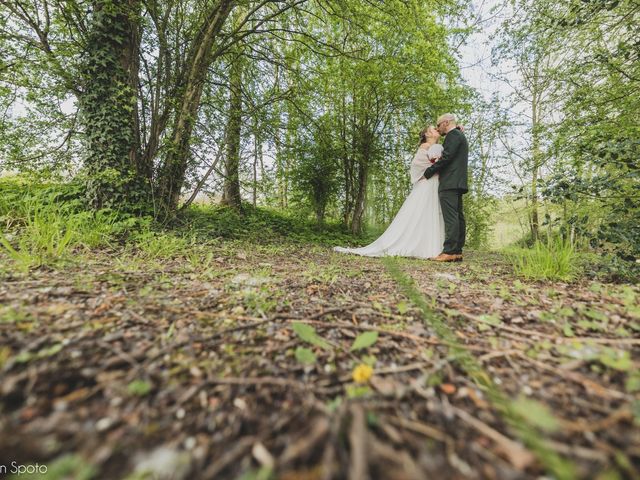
(475, 54)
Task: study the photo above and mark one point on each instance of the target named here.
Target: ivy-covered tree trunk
(231, 195)
(108, 104)
(172, 173)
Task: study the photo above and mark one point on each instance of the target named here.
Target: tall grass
(47, 223)
(43, 224)
(555, 259)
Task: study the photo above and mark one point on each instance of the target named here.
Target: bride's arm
(421, 154)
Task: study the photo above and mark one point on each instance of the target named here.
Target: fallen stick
(305, 443)
(533, 333)
(515, 453)
(588, 384)
(358, 468)
(236, 451)
(421, 428)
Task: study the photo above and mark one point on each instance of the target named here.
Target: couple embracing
(430, 224)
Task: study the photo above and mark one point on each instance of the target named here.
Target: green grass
(42, 224)
(507, 227)
(552, 260)
(264, 226)
(46, 223)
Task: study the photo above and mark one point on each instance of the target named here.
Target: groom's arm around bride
(452, 168)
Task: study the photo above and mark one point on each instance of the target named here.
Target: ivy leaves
(108, 105)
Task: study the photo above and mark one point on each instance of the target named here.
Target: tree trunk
(130, 61)
(361, 197)
(257, 151)
(231, 195)
(108, 105)
(363, 176)
(536, 160)
(172, 172)
(348, 166)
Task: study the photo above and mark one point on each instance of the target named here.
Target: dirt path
(191, 368)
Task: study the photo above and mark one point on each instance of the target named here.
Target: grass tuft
(555, 259)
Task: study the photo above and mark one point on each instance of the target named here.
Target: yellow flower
(362, 373)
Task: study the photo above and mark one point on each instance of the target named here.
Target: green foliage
(306, 356)
(308, 334)
(364, 340)
(614, 359)
(159, 245)
(478, 217)
(536, 413)
(263, 473)
(262, 225)
(582, 88)
(355, 118)
(108, 106)
(554, 259)
(45, 223)
(603, 209)
(139, 388)
(315, 171)
(38, 132)
(340, 102)
(259, 300)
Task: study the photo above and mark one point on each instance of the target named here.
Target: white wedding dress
(418, 228)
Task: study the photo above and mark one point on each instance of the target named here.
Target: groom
(452, 168)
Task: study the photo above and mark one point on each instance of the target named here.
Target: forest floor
(238, 361)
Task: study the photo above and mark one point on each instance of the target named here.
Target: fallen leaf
(448, 388)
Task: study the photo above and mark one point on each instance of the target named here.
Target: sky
(479, 72)
(475, 54)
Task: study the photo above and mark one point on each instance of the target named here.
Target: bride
(418, 228)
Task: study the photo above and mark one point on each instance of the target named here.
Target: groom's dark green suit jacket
(453, 165)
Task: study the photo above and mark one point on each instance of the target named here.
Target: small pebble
(104, 424)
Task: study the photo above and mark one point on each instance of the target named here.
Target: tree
(108, 103)
(590, 91)
(187, 76)
(189, 92)
(379, 83)
(529, 50)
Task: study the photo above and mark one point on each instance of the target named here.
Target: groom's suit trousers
(454, 223)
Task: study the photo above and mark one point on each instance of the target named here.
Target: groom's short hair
(447, 116)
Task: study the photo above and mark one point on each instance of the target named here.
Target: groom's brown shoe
(447, 257)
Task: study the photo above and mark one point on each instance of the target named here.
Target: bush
(610, 268)
(477, 212)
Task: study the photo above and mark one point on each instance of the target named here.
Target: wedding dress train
(418, 228)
